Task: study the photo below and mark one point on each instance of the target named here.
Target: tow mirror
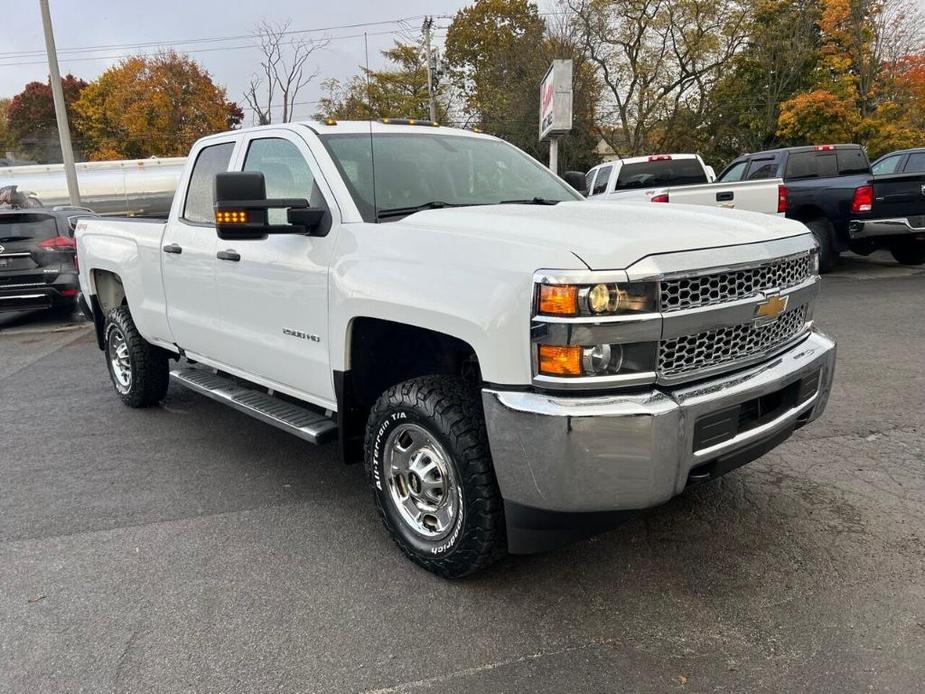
(577, 180)
(241, 207)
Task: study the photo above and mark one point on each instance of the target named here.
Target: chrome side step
(301, 421)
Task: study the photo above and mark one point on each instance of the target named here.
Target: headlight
(601, 299)
(596, 360)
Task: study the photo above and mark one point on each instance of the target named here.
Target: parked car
(515, 366)
(638, 177)
(830, 188)
(38, 267)
(902, 161)
(679, 178)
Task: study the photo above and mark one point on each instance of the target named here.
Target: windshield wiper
(432, 205)
(531, 201)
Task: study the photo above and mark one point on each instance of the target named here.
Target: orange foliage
(151, 106)
(818, 116)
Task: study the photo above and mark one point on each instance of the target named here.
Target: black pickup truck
(831, 189)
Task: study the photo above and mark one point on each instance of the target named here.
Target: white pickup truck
(515, 366)
(683, 179)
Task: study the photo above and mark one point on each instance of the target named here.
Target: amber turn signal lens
(560, 361)
(231, 216)
(559, 299)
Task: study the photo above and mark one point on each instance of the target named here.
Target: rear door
(188, 255)
(274, 292)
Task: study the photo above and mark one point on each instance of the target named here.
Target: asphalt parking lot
(190, 548)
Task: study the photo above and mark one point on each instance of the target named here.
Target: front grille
(718, 288)
(683, 355)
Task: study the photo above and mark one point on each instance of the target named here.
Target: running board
(301, 421)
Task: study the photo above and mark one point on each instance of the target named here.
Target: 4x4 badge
(770, 309)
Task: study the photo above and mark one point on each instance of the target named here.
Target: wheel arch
(106, 293)
(381, 353)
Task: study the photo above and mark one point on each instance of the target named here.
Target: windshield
(417, 170)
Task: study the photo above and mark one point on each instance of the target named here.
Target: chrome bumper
(621, 452)
(885, 227)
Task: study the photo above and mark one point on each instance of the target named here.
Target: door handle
(725, 196)
(231, 255)
(173, 248)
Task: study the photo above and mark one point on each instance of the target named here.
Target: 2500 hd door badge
(301, 335)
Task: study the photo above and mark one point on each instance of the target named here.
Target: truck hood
(607, 235)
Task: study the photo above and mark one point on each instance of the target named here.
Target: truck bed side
(130, 250)
(754, 196)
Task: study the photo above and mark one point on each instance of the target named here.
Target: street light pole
(64, 131)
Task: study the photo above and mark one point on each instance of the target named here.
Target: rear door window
(734, 172)
(199, 206)
(916, 163)
(661, 172)
(760, 169)
(888, 165)
(852, 161)
(27, 227)
(600, 184)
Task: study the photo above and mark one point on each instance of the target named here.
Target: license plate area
(724, 425)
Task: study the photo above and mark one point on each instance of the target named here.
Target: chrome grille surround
(684, 293)
(728, 345)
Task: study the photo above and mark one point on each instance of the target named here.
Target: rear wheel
(825, 237)
(433, 482)
(910, 252)
(139, 370)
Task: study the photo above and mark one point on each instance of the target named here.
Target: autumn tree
(148, 106)
(494, 52)
(399, 91)
(31, 113)
(657, 59)
(776, 63)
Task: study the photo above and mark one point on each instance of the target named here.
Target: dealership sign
(556, 100)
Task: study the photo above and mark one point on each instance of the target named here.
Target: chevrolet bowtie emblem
(770, 309)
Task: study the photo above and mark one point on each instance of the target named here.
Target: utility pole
(428, 25)
(64, 131)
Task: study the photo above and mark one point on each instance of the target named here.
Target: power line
(194, 50)
(206, 39)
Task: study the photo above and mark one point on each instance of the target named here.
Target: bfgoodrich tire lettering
(139, 370)
(443, 419)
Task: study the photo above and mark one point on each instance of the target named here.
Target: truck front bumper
(570, 466)
(877, 228)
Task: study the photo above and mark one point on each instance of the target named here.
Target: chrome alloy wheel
(422, 482)
(119, 361)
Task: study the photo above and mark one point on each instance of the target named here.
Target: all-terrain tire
(446, 412)
(825, 237)
(147, 365)
(911, 252)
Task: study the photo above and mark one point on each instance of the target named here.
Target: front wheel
(139, 370)
(433, 482)
(909, 252)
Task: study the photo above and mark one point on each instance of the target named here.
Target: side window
(888, 165)
(734, 172)
(916, 163)
(603, 176)
(199, 204)
(760, 169)
(285, 171)
(589, 180)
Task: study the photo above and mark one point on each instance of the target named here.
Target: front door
(273, 293)
(188, 256)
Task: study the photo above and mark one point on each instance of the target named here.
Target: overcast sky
(231, 60)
